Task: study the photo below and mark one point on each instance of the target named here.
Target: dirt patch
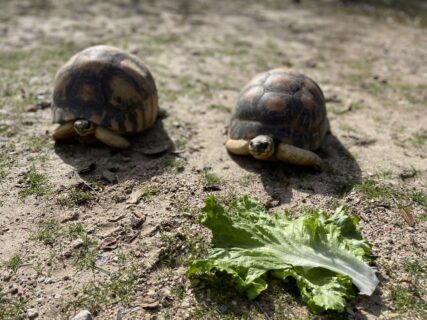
(112, 231)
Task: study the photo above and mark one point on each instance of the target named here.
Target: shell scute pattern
(107, 86)
(287, 106)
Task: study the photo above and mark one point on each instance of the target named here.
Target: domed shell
(107, 86)
(287, 106)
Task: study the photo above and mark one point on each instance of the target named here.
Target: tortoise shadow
(97, 162)
(340, 173)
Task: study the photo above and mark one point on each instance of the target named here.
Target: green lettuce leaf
(324, 254)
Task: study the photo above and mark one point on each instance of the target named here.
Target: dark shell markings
(286, 106)
(108, 87)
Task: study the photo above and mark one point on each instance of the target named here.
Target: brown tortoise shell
(287, 106)
(107, 86)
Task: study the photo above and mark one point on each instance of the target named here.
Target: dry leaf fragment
(135, 196)
(407, 216)
(150, 305)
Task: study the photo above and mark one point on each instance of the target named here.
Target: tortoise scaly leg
(111, 139)
(239, 147)
(64, 131)
(298, 156)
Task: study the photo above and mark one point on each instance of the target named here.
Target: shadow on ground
(281, 300)
(146, 158)
(279, 179)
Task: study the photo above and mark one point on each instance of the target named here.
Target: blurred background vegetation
(405, 9)
(412, 8)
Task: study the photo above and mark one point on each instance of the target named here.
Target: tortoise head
(84, 127)
(261, 147)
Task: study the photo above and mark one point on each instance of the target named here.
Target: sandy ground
(372, 69)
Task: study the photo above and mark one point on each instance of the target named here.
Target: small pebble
(6, 276)
(32, 313)
(83, 315)
(119, 315)
(13, 290)
(77, 243)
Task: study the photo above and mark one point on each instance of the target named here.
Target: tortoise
(102, 93)
(280, 116)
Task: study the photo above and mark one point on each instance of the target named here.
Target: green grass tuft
(174, 165)
(150, 192)
(211, 180)
(179, 248)
(35, 184)
(415, 268)
(119, 288)
(409, 299)
(373, 190)
(49, 232)
(38, 143)
(180, 143)
(419, 198)
(391, 195)
(220, 107)
(76, 230)
(419, 139)
(14, 263)
(12, 308)
(74, 197)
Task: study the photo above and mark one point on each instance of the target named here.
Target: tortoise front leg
(239, 147)
(64, 131)
(298, 156)
(111, 139)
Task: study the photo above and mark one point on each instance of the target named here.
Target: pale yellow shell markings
(64, 116)
(278, 82)
(275, 104)
(134, 101)
(148, 112)
(257, 80)
(114, 125)
(154, 110)
(155, 106)
(69, 116)
(314, 89)
(102, 49)
(281, 70)
(139, 120)
(63, 71)
(128, 125)
(62, 81)
(96, 118)
(139, 74)
(252, 94)
(121, 88)
(88, 63)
